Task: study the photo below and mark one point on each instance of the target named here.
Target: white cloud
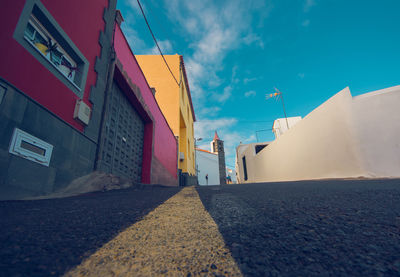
(224, 96)
(212, 46)
(132, 16)
(135, 7)
(253, 39)
(301, 75)
(305, 23)
(215, 29)
(165, 46)
(194, 69)
(248, 80)
(234, 79)
(135, 42)
(209, 111)
(212, 30)
(205, 128)
(197, 75)
(308, 4)
(250, 93)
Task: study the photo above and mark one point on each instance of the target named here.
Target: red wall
(82, 21)
(165, 145)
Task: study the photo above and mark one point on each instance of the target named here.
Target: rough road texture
(179, 238)
(318, 228)
(48, 237)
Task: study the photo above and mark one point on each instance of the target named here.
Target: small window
(39, 33)
(244, 168)
(260, 147)
(30, 147)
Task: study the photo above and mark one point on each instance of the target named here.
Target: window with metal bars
(41, 35)
(37, 35)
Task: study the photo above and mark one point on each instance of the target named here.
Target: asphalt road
(178, 238)
(314, 228)
(49, 237)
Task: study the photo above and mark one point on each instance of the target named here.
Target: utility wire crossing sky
(237, 51)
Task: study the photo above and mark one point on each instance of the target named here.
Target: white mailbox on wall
(30, 147)
(82, 112)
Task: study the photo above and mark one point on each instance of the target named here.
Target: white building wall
(240, 150)
(207, 163)
(322, 145)
(280, 125)
(378, 127)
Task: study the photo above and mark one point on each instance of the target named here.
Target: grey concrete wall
(189, 180)
(102, 67)
(73, 153)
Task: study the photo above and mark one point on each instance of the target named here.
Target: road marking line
(177, 238)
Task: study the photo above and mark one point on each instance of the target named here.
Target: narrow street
(308, 228)
(48, 237)
(168, 138)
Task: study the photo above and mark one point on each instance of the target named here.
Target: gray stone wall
(218, 146)
(221, 162)
(103, 64)
(73, 153)
(189, 180)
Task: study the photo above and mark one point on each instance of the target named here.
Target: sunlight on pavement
(178, 238)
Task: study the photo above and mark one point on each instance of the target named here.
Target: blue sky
(237, 51)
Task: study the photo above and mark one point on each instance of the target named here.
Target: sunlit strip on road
(177, 238)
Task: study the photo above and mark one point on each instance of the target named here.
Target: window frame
(259, 147)
(36, 9)
(15, 148)
(41, 30)
(244, 168)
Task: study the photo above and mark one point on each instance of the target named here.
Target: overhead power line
(238, 121)
(155, 40)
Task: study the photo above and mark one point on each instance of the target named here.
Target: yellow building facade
(175, 102)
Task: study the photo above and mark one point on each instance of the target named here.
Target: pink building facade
(54, 60)
(73, 100)
(159, 143)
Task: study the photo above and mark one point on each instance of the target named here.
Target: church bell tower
(218, 148)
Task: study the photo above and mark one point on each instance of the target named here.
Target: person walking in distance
(207, 179)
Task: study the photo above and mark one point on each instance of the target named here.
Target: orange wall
(159, 77)
(174, 101)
